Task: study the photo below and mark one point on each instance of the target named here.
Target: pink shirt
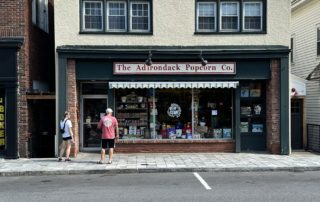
(108, 124)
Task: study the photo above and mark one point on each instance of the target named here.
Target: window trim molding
(197, 17)
(261, 16)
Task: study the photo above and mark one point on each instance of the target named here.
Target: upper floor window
(116, 16)
(252, 16)
(234, 16)
(229, 16)
(206, 16)
(318, 41)
(93, 13)
(140, 16)
(40, 14)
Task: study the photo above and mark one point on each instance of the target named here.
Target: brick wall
(273, 109)
(35, 58)
(167, 146)
(72, 104)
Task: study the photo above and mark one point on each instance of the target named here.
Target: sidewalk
(86, 163)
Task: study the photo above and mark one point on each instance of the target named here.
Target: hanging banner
(2, 119)
(174, 68)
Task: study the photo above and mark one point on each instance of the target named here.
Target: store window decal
(2, 120)
(174, 110)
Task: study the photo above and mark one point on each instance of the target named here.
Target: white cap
(109, 110)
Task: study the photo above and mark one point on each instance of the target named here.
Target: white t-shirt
(66, 128)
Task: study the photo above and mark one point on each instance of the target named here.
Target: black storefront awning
(315, 74)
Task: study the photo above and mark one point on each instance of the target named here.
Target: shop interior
(174, 113)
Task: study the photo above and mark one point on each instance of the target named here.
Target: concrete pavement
(86, 163)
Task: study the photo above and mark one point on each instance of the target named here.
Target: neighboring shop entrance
(296, 124)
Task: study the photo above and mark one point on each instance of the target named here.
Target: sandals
(109, 162)
(100, 162)
(59, 159)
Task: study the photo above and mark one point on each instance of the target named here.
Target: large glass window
(206, 16)
(92, 18)
(116, 13)
(252, 14)
(140, 16)
(229, 16)
(177, 113)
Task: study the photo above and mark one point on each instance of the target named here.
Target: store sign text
(2, 120)
(174, 68)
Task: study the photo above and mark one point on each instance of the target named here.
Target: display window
(174, 113)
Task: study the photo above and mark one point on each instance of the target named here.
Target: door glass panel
(93, 110)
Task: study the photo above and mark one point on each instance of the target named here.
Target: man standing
(110, 132)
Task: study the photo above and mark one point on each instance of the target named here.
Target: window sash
(140, 17)
(228, 19)
(249, 18)
(92, 14)
(119, 17)
(206, 19)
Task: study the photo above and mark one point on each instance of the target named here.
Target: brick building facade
(34, 67)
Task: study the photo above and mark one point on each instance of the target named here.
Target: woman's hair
(66, 113)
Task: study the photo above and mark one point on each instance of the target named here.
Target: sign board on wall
(2, 119)
(120, 68)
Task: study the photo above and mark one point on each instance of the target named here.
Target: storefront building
(178, 104)
(192, 92)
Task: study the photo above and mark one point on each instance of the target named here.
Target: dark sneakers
(68, 159)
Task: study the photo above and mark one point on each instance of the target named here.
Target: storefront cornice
(14, 42)
(78, 51)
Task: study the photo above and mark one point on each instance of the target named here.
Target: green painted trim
(62, 91)
(284, 105)
(187, 53)
(11, 42)
(237, 119)
(111, 96)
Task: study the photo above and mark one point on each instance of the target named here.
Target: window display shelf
(134, 109)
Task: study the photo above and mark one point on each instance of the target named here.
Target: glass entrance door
(93, 107)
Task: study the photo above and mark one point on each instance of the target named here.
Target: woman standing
(67, 136)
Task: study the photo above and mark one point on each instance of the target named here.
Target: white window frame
(261, 16)
(238, 15)
(83, 16)
(125, 14)
(149, 14)
(215, 17)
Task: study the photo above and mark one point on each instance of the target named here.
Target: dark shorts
(66, 138)
(107, 143)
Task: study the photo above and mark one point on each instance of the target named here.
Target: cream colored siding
(304, 27)
(173, 25)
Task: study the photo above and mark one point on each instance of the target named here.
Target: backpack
(64, 125)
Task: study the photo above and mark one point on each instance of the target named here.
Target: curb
(158, 170)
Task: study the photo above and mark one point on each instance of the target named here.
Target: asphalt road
(217, 186)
